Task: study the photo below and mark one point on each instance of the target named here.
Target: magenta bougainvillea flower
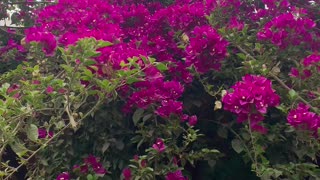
(49, 90)
(126, 172)
(82, 169)
(134, 31)
(63, 176)
(250, 100)
(304, 74)
(43, 133)
(291, 28)
(156, 91)
(312, 59)
(96, 166)
(168, 107)
(177, 175)
(310, 66)
(44, 37)
(159, 145)
(193, 120)
(234, 23)
(206, 49)
(12, 45)
(301, 117)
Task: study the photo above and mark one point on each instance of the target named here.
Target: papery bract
(159, 145)
(206, 49)
(63, 176)
(126, 173)
(301, 117)
(250, 99)
(177, 175)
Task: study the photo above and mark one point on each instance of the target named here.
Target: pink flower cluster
(301, 117)
(159, 145)
(250, 100)
(292, 28)
(206, 49)
(155, 90)
(177, 175)
(12, 45)
(44, 37)
(93, 162)
(90, 162)
(311, 64)
(139, 28)
(43, 133)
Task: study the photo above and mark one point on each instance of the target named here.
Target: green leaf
(90, 177)
(223, 132)
(144, 59)
(32, 132)
(137, 115)
(89, 62)
(161, 67)
(146, 117)
(119, 144)
(242, 56)
(104, 43)
(18, 148)
(293, 94)
(61, 50)
(132, 80)
(277, 173)
(237, 146)
(212, 163)
(105, 146)
(92, 54)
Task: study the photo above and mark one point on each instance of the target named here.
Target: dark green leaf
(223, 132)
(237, 146)
(137, 115)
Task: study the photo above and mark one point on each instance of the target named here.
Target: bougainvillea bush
(175, 90)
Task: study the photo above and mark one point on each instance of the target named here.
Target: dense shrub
(185, 89)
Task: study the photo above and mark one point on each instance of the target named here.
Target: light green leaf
(104, 43)
(242, 56)
(293, 94)
(32, 132)
(161, 67)
(90, 177)
(18, 148)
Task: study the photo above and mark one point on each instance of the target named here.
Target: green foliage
(27, 105)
